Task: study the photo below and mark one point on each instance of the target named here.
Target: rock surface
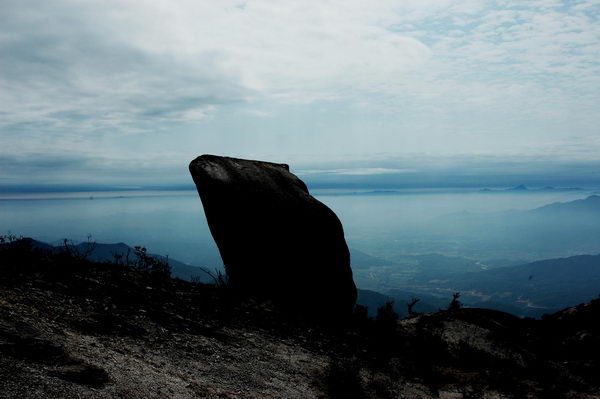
(276, 240)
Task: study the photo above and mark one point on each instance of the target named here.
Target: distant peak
(520, 187)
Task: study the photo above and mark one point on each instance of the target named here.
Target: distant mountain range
(524, 188)
(404, 191)
(574, 208)
(555, 230)
(106, 253)
(589, 205)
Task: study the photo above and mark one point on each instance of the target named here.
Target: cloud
(85, 172)
(89, 169)
(459, 170)
(64, 67)
(124, 82)
(107, 64)
(257, 113)
(354, 171)
(112, 64)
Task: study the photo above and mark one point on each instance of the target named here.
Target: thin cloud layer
(114, 63)
(296, 81)
(68, 64)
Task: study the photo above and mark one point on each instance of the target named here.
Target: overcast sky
(131, 91)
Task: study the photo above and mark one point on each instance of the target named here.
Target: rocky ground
(75, 329)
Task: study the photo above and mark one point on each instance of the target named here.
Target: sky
(405, 92)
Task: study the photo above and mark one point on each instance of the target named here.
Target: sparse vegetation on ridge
(112, 331)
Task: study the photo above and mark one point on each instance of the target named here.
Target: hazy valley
(490, 257)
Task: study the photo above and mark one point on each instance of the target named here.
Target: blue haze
(173, 223)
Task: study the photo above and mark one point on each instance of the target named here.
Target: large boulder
(275, 239)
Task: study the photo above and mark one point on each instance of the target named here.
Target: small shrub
(386, 314)
(145, 263)
(384, 338)
(361, 312)
(413, 301)
(220, 279)
(361, 319)
(455, 304)
(79, 252)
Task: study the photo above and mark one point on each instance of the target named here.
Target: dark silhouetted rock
(276, 240)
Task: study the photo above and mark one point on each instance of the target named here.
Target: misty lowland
(258, 289)
(526, 252)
